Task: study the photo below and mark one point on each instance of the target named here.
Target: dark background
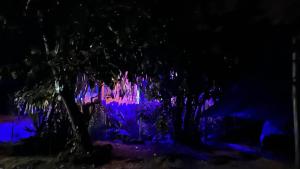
(255, 35)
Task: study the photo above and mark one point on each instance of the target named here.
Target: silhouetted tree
(62, 39)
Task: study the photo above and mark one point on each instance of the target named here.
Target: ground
(150, 156)
(146, 156)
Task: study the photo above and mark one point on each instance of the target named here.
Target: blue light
(123, 120)
(13, 131)
(270, 128)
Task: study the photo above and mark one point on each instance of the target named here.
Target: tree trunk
(188, 113)
(79, 126)
(189, 132)
(177, 119)
(295, 108)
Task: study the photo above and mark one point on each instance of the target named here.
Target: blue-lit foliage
(13, 131)
(126, 111)
(270, 128)
(126, 121)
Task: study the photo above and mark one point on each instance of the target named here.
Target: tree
(58, 40)
(61, 40)
(295, 108)
(97, 38)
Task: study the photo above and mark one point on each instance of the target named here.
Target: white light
(138, 96)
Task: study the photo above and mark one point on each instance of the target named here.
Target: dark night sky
(257, 33)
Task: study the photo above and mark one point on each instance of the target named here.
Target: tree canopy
(49, 43)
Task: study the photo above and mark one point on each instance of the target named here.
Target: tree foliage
(63, 40)
(58, 40)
